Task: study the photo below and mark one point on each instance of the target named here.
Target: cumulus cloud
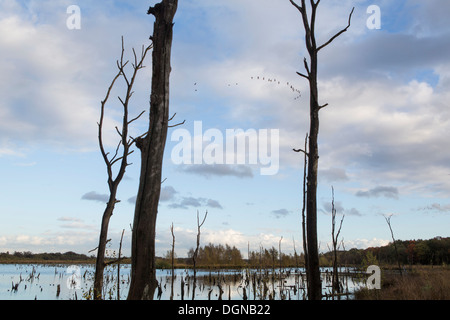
(333, 174)
(232, 237)
(61, 80)
(436, 207)
(213, 204)
(327, 207)
(69, 240)
(219, 170)
(280, 213)
(187, 202)
(384, 105)
(94, 196)
(75, 223)
(381, 191)
(132, 200)
(366, 243)
(167, 193)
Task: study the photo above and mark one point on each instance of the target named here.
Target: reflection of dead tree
(173, 258)
(118, 157)
(281, 266)
(388, 220)
(119, 258)
(194, 257)
(309, 23)
(335, 279)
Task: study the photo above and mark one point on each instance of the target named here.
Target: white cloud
(385, 125)
(78, 241)
(186, 239)
(53, 79)
(365, 243)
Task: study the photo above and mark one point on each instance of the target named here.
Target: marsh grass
(418, 283)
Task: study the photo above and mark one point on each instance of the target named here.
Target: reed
(419, 283)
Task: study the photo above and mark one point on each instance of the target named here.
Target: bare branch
(114, 261)
(134, 140)
(118, 131)
(339, 33)
(123, 157)
(173, 116)
(115, 154)
(299, 8)
(204, 218)
(97, 247)
(302, 75)
(325, 105)
(300, 150)
(178, 124)
(305, 62)
(132, 120)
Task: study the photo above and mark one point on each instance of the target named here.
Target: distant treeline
(426, 252)
(434, 251)
(28, 256)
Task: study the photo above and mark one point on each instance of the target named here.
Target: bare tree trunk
(194, 257)
(335, 237)
(100, 261)
(388, 221)
(126, 143)
(305, 246)
(119, 257)
(143, 268)
(313, 270)
(173, 258)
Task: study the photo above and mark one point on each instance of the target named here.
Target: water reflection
(65, 282)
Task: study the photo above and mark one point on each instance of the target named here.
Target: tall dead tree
(172, 255)
(194, 256)
(152, 144)
(309, 23)
(305, 171)
(120, 157)
(388, 221)
(335, 237)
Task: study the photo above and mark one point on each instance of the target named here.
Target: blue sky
(383, 138)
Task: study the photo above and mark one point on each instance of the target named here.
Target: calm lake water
(73, 282)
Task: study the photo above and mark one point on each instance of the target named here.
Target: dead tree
(152, 144)
(195, 255)
(309, 22)
(305, 165)
(173, 261)
(120, 156)
(335, 237)
(388, 221)
(119, 259)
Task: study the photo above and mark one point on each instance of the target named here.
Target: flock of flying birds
(274, 81)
